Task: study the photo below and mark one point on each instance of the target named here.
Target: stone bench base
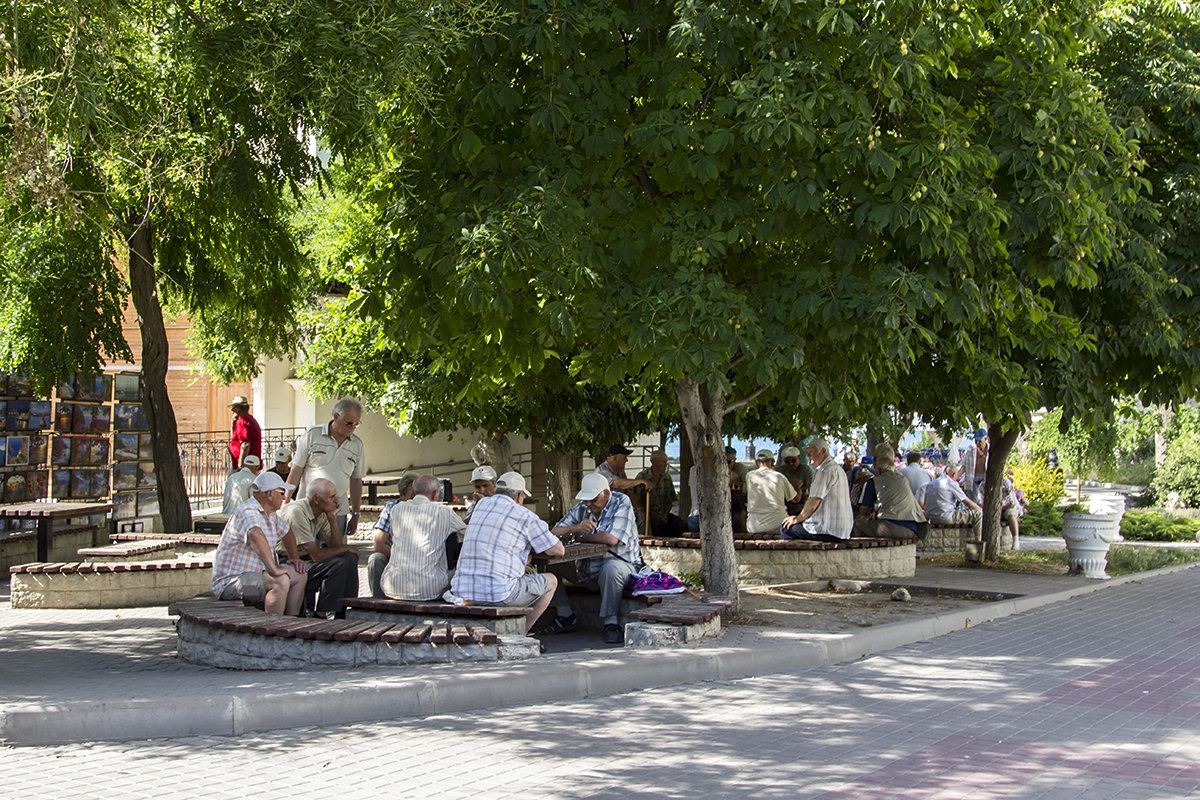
(232, 636)
(676, 619)
(114, 584)
(769, 561)
(947, 539)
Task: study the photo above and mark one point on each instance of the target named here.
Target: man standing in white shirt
(767, 494)
(333, 451)
(827, 515)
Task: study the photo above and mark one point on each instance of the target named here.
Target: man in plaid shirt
(245, 567)
(501, 535)
(606, 517)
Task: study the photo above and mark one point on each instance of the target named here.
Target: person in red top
(245, 438)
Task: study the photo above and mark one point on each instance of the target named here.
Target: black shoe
(613, 634)
(559, 625)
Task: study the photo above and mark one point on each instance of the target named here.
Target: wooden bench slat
(374, 632)
(433, 609)
(440, 634)
(418, 634)
(459, 634)
(351, 633)
(395, 635)
(482, 635)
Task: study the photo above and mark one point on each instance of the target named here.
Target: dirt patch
(828, 611)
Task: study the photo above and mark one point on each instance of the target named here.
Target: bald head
(428, 486)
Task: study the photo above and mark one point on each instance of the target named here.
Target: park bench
(133, 550)
(107, 584)
(945, 539)
(234, 636)
(675, 619)
(503, 620)
(767, 559)
(187, 545)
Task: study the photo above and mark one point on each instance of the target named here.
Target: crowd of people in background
(287, 536)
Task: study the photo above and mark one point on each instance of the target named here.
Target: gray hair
(316, 486)
(515, 494)
(885, 457)
(347, 404)
(426, 485)
(406, 484)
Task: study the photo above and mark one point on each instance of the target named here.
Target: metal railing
(204, 456)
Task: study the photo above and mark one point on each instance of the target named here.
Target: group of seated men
(425, 552)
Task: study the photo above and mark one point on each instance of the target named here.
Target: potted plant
(1089, 535)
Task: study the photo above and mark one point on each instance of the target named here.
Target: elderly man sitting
(381, 550)
(605, 517)
(887, 507)
(245, 567)
(334, 564)
(827, 515)
(499, 539)
(767, 494)
(662, 497)
(419, 568)
(945, 503)
(237, 486)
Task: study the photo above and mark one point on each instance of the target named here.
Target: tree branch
(747, 400)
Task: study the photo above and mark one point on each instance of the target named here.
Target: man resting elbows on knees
(499, 538)
(245, 567)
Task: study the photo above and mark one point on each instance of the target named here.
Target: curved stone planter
(1088, 538)
(774, 561)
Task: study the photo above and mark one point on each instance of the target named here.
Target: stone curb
(554, 678)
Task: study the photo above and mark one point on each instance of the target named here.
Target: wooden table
(46, 513)
(579, 551)
(373, 482)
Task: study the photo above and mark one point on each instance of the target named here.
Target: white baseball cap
(484, 473)
(282, 454)
(790, 452)
(270, 481)
(511, 481)
(592, 485)
(251, 461)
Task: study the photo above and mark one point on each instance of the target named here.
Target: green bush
(1043, 518)
(1155, 526)
(1038, 481)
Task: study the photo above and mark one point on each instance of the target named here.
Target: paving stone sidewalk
(1093, 697)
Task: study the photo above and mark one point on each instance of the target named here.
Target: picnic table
(578, 551)
(373, 482)
(46, 512)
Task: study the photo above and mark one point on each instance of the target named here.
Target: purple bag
(650, 581)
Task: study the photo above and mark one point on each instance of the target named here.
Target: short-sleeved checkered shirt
(616, 518)
(234, 555)
(498, 541)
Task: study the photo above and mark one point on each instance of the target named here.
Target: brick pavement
(1094, 697)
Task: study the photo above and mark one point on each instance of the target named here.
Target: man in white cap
(827, 515)
(798, 473)
(483, 479)
(283, 462)
(605, 517)
(245, 435)
(499, 539)
(237, 485)
(245, 567)
(767, 495)
(333, 568)
(418, 567)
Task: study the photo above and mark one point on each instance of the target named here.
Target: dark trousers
(336, 578)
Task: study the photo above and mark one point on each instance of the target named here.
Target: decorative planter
(1088, 537)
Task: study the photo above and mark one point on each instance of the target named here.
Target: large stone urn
(1088, 538)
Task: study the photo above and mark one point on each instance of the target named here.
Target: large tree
(172, 140)
(739, 200)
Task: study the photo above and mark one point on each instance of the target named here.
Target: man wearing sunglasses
(333, 451)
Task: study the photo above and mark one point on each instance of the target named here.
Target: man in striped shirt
(417, 568)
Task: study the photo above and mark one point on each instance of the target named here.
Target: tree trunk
(173, 505)
(1000, 444)
(703, 415)
(558, 464)
(685, 473)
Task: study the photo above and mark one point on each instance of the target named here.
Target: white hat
(593, 484)
(511, 481)
(484, 473)
(240, 400)
(270, 481)
(282, 455)
(790, 452)
(764, 455)
(251, 461)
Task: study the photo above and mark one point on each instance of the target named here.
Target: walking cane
(648, 511)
